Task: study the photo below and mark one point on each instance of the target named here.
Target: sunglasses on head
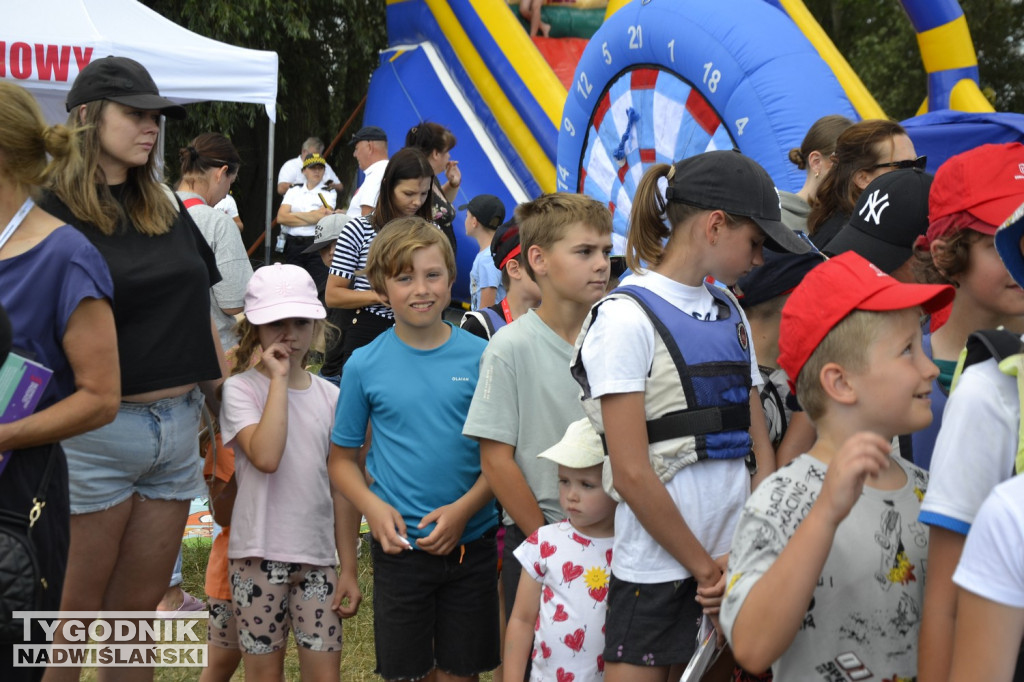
(919, 163)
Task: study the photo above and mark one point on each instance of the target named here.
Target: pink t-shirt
(287, 515)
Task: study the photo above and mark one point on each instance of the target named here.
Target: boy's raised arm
(783, 593)
(497, 460)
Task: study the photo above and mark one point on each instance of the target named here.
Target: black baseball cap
(891, 213)
(505, 244)
(726, 180)
(779, 274)
(369, 134)
(486, 208)
(121, 80)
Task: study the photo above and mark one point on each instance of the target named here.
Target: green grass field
(357, 661)
(357, 658)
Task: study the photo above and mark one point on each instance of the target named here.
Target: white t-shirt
(303, 199)
(367, 193)
(291, 172)
(975, 448)
(287, 515)
(992, 563)
(574, 570)
(617, 354)
(227, 205)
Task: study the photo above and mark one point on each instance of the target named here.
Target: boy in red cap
(828, 548)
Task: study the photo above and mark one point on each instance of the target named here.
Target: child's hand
(388, 527)
(863, 454)
(710, 597)
(445, 536)
(348, 588)
(275, 358)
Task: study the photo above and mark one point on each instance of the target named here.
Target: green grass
(357, 656)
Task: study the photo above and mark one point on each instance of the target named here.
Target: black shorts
(651, 624)
(436, 611)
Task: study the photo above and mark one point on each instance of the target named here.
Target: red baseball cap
(977, 189)
(833, 290)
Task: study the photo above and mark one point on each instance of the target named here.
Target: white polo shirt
(367, 193)
(303, 199)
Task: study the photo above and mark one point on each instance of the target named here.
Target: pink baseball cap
(279, 292)
(833, 290)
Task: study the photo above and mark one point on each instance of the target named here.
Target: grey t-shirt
(526, 398)
(794, 211)
(866, 610)
(225, 241)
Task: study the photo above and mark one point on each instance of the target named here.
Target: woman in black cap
(56, 290)
(131, 481)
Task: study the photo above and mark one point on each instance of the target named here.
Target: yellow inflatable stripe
(519, 135)
(524, 57)
(966, 96)
(861, 99)
(947, 47)
(613, 7)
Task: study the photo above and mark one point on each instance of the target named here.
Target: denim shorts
(150, 448)
(436, 611)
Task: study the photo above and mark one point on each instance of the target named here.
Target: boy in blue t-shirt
(430, 510)
(485, 214)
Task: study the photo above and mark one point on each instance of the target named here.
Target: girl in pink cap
(281, 552)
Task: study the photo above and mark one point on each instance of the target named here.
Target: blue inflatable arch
(663, 79)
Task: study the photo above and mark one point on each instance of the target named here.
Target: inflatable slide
(658, 80)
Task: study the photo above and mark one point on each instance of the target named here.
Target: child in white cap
(561, 601)
(286, 520)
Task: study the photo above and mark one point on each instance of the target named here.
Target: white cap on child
(278, 292)
(579, 448)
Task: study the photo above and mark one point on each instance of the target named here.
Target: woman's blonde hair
(26, 139)
(81, 184)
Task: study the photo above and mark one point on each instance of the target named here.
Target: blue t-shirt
(41, 288)
(416, 401)
(482, 275)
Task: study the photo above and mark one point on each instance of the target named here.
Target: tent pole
(270, 191)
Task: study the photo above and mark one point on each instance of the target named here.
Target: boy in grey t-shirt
(526, 397)
(828, 549)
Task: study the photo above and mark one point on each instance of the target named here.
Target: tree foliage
(327, 50)
(879, 42)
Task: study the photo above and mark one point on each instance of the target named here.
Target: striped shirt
(350, 257)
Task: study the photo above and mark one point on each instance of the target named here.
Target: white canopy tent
(44, 44)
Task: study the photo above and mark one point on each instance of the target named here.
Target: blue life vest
(713, 377)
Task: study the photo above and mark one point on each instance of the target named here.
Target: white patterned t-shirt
(865, 614)
(573, 570)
